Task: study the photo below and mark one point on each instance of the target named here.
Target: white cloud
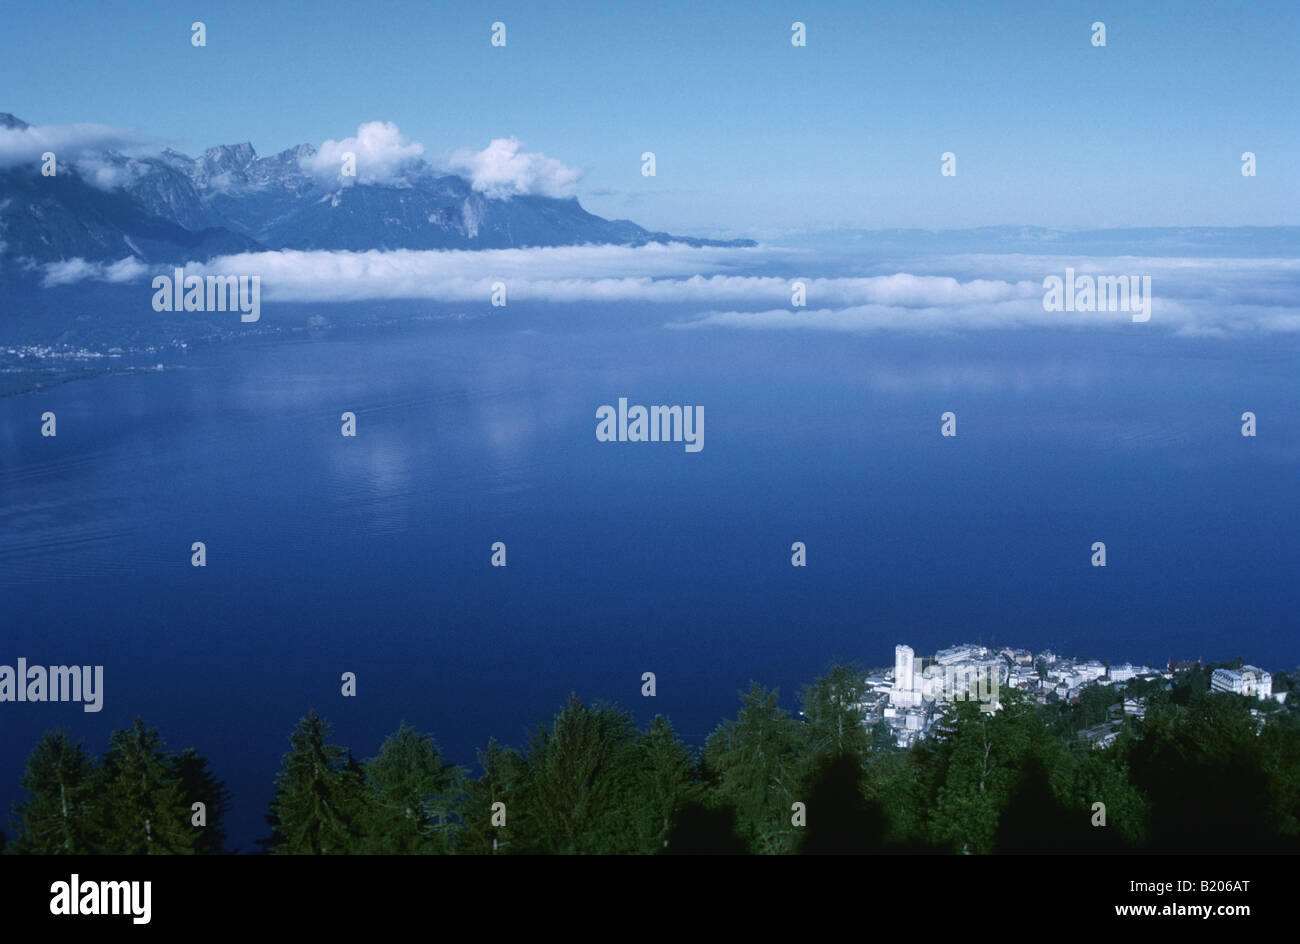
(502, 170)
(68, 142)
(562, 273)
(104, 174)
(1190, 296)
(382, 152)
(77, 269)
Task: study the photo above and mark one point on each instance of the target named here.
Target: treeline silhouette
(1199, 774)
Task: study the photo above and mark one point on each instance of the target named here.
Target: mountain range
(173, 208)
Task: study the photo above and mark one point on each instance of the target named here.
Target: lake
(371, 554)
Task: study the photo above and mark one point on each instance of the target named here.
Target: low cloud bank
(710, 290)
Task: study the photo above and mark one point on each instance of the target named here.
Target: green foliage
(665, 783)
(831, 709)
(413, 793)
(136, 802)
(882, 737)
(980, 759)
(141, 797)
(1094, 707)
(1243, 800)
(582, 782)
(200, 785)
(502, 782)
(1144, 688)
(1103, 776)
(58, 815)
(1189, 683)
(321, 795)
(902, 784)
(753, 763)
(1204, 772)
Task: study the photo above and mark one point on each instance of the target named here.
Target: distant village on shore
(910, 697)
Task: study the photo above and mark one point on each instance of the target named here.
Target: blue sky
(751, 134)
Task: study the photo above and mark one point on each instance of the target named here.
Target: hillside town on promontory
(910, 697)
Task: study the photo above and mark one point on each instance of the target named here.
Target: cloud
(83, 146)
(105, 175)
(382, 153)
(1205, 297)
(68, 142)
(715, 288)
(77, 269)
(502, 170)
(565, 273)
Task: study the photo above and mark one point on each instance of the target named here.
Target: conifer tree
(754, 763)
(665, 782)
(502, 782)
(140, 797)
(413, 804)
(57, 816)
(581, 782)
(200, 785)
(320, 797)
(833, 713)
(982, 757)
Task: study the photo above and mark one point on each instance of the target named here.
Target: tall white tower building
(905, 693)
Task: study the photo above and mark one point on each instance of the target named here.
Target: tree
(320, 796)
(413, 802)
(581, 782)
(841, 820)
(882, 737)
(140, 797)
(665, 782)
(753, 763)
(200, 785)
(502, 782)
(981, 757)
(1103, 777)
(904, 784)
(833, 712)
(57, 816)
(1212, 743)
(1280, 749)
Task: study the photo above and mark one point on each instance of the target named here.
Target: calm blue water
(371, 555)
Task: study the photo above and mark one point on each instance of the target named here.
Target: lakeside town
(910, 697)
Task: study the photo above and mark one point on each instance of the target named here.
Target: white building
(956, 654)
(1135, 707)
(1091, 670)
(1122, 673)
(905, 693)
(1248, 680)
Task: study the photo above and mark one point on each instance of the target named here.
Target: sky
(752, 135)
